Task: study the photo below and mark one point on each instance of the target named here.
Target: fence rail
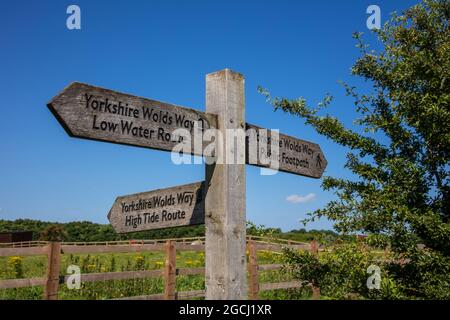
(23, 244)
(187, 241)
(54, 250)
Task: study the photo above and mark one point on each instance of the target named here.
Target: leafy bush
(422, 274)
(15, 263)
(53, 233)
(341, 272)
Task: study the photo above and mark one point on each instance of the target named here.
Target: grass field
(35, 266)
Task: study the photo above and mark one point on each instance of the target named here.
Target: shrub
(15, 263)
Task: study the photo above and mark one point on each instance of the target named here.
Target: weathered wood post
(314, 247)
(170, 270)
(315, 251)
(253, 274)
(53, 267)
(226, 276)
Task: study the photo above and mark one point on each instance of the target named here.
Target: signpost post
(225, 248)
(90, 112)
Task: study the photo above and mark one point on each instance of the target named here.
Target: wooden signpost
(94, 113)
(294, 155)
(163, 208)
(90, 112)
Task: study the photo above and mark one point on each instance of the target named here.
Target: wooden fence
(54, 250)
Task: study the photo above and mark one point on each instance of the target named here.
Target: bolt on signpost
(226, 141)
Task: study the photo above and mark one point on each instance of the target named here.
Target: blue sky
(162, 50)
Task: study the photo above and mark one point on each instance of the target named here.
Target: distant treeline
(88, 231)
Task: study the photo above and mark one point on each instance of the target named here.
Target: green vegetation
(35, 266)
(401, 157)
(53, 233)
(341, 271)
(88, 231)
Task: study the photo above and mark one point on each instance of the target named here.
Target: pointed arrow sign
(95, 113)
(294, 155)
(163, 208)
(90, 112)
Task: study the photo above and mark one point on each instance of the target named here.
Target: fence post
(53, 268)
(170, 270)
(253, 271)
(315, 251)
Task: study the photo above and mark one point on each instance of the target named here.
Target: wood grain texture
(91, 112)
(279, 247)
(281, 285)
(253, 274)
(67, 249)
(190, 271)
(267, 267)
(226, 276)
(315, 251)
(95, 113)
(123, 275)
(190, 247)
(294, 155)
(185, 295)
(158, 296)
(314, 247)
(182, 295)
(6, 252)
(20, 283)
(53, 268)
(170, 271)
(163, 208)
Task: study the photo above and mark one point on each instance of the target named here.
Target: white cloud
(295, 198)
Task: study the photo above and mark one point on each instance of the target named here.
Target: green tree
(53, 232)
(262, 230)
(402, 156)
